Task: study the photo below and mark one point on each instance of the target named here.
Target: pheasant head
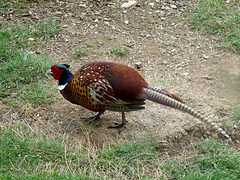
(61, 73)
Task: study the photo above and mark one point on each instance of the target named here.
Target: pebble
(128, 4)
(205, 56)
(126, 22)
(38, 52)
(31, 39)
(208, 77)
(173, 6)
(138, 65)
(82, 5)
(165, 8)
(186, 74)
(58, 12)
(151, 4)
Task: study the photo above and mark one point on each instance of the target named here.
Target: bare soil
(173, 57)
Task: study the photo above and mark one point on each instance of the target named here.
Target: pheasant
(100, 86)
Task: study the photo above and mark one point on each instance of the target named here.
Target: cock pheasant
(100, 86)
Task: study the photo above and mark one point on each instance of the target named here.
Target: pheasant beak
(49, 72)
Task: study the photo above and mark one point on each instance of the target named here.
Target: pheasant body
(100, 86)
(97, 87)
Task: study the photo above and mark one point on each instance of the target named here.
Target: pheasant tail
(165, 92)
(161, 98)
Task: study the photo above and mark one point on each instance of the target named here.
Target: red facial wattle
(57, 72)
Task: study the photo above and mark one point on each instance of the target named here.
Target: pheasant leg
(122, 125)
(94, 117)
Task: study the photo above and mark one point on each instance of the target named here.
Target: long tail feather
(165, 92)
(160, 98)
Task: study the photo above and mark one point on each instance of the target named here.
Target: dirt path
(173, 57)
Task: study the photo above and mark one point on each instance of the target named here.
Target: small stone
(173, 6)
(38, 52)
(31, 39)
(128, 4)
(138, 65)
(205, 56)
(151, 4)
(208, 77)
(65, 26)
(58, 12)
(126, 22)
(146, 36)
(165, 8)
(82, 5)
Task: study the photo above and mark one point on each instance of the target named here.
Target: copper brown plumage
(100, 86)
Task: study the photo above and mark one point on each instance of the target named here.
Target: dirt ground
(173, 57)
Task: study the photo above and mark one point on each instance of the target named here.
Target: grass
(213, 160)
(129, 160)
(116, 50)
(95, 44)
(116, 16)
(161, 80)
(220, 18)
(236, 118)
(22, 75)
(17, 6)
(119, 50)
(25, 154)
(79, 53)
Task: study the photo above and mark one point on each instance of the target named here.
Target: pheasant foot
(94, 117)
(122, 125)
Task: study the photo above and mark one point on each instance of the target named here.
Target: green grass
(17, 6)
(236, 118)
(119, 50)
(130, 160)
(79, 53)
(218, 17)
(27, 155)
(213, 160)
(161, 80)
(22, 75)
(116, 16)
(95, 44)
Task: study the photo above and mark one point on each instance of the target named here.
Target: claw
(93, 118)
(122, 125)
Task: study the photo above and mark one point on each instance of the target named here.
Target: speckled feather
(100, 86)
